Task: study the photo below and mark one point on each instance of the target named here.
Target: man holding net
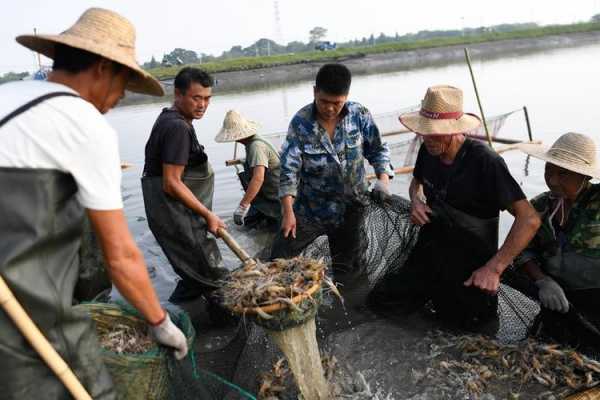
(563, 259)
(323, 186)
(458, 188)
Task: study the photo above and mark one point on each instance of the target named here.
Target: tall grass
(246, 63)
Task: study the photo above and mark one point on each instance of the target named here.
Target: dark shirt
(478, 182)
(172, 141)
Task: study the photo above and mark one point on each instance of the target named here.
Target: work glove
(551, 295)
(166, 333)
(240, 213)
(381, 192)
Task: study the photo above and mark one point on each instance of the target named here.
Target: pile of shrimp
(258, 285)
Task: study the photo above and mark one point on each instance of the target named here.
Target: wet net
(390, 240)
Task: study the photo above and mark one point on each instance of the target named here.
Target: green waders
(183, 235)
(40, 227)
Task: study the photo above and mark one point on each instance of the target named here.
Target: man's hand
(166, 333)
(240, 213)
(551, 295)
(214, 223)
(288, 224)
(486, 278)
(419, 212)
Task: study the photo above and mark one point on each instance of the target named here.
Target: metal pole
(528, 124)
(487, 133)
(235, 151)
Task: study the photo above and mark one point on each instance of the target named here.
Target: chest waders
(454, 245)
(181, 233)
(40, 227)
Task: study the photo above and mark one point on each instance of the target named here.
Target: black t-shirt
(172, 141)
(478, 182)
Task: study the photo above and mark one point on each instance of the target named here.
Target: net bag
(136, 376)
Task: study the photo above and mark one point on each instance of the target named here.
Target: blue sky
(213, 26)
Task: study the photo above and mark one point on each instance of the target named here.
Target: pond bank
(255, 79)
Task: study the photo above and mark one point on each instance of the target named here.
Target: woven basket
(135, 376)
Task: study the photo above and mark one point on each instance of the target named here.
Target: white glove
(168, 334)
(551, 295)
(240, 213)
(382, 187)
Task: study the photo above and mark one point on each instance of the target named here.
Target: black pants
(435, 271)
(347, 242)
(579, 327)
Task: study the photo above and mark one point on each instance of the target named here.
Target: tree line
(267, 47)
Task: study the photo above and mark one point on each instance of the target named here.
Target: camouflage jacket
(326, 176)
(580, 235)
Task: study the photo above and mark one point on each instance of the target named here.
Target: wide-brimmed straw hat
(105, 33)
(235, 127)
(572, 151)
(441, 113)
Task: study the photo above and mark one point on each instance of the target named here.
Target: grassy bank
(245, 63)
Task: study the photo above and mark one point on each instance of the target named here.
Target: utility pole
(278, 31)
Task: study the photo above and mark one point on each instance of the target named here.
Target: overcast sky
(211, 27)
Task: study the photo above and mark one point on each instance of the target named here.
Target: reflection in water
(526, 166)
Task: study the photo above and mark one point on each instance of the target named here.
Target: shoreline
(264, 78)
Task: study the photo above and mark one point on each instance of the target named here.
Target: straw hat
(235, 127)
(441, 113)
(105, 33)
(572, 151)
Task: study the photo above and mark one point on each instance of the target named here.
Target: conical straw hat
(235, 127)
(572, 151)
(441, 113)
(105, 33)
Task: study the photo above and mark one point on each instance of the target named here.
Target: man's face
(437, 145)
(562, 182)
(193, 103)
(108, 86)
(329, 106)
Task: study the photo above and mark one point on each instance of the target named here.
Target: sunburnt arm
(127, 270)
(173, 185)
(526, 224)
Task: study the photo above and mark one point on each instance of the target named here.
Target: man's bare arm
(258, 178)
(523, 229)
(174, 187)
(125, 263)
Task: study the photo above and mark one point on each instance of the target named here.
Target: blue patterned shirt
(326, 176)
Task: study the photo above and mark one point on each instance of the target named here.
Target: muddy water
(299, 345)
(558, 87)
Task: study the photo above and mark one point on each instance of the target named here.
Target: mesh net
(390, 238)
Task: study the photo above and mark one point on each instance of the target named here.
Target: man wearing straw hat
(59, 157)
(178, 188)
(458, 188)
(563, 259)
(260, 177)
(323, 186)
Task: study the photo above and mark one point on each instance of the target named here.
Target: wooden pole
(528, 124)
(37, 340)
(487, 132)
(234, 246)
(409, 169)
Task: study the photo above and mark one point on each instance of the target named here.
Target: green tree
(317, 33)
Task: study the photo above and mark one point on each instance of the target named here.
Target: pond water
(554, 85)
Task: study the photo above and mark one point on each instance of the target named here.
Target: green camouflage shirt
(581, 232)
